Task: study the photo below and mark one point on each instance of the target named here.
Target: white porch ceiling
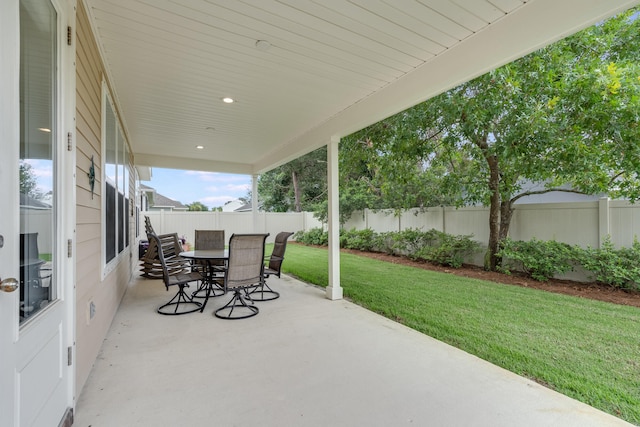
(333, 67)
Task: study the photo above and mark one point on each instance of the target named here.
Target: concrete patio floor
(302, 361)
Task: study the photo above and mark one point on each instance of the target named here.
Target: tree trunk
(296, 192)
(490, 260)
(506, 213)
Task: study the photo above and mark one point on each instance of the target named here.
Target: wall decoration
(92, 176)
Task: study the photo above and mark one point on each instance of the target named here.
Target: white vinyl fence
(185, 223)
(575, 223)
(586, 224)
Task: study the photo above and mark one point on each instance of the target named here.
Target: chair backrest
(162, 252)
(209, 239)
(166, 249)
(277, 256)
(246, 260)
(148, 228)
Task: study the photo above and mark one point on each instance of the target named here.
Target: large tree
(29, 182)
(565, 117)
(296, 186)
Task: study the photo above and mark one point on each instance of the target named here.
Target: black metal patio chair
(262, 292)
(244, 271)
(181, 303)
(212, 269)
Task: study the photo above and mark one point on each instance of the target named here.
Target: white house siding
(105, 293)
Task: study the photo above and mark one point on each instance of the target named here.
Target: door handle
(8, 285)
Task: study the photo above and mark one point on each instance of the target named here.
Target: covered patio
(303, 74)
(303, 361)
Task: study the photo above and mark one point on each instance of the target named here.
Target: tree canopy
(296, 186)
(29, 182)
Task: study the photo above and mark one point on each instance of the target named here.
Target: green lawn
(589, 350)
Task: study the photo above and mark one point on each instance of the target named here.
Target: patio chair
(244, 271)
(171, 246)
(148, 228)
(263, 292)
(181, 303)
(213, 269)
(143, 245)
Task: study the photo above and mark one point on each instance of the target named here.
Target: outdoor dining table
(211, 286)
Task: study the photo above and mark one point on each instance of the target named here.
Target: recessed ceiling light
(227, 100)
(200, 147)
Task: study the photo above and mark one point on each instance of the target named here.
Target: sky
(212, 189)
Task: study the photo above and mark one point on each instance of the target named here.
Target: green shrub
(433, 246)
(362, 240)
(315, 236)
(408, 242)
(446, 249)
(613, 267)
(538, 258)
(384, 242)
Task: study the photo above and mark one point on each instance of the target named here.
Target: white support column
(334, 290)
(254, 202)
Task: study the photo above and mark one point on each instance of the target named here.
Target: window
(38, 160)
(116, 180)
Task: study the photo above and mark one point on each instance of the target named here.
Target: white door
(36, 187)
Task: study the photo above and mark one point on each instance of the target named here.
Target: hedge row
(545, 259)
(432, 246)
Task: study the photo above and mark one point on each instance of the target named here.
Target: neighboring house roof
(232, 206)
(554, 196)
(238, 206)
(28, 202)
(244, 208)
(247, 207)
(158, 201)
(162, 201)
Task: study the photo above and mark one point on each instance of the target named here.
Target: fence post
(603, 220)
(444, 223)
